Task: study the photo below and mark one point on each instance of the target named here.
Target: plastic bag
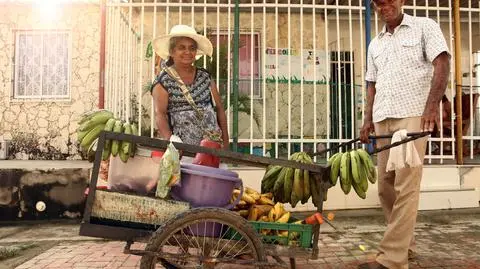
(169, 172)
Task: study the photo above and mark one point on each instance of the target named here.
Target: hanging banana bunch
(353, 168)
(290, 185)
(92, 123)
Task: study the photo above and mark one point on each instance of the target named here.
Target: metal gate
(291, 72)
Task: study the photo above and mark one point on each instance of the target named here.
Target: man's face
(388, 10)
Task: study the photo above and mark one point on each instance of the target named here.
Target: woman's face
(184, 51)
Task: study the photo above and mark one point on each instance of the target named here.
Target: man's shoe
(411, 255)
(371, 265)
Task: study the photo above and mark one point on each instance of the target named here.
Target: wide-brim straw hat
(161, 43)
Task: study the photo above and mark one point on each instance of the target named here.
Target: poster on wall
(312, 65)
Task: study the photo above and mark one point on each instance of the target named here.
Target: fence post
(236, 45)
(458, 82)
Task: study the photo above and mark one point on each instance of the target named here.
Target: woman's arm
(221, 117)
(160, 100)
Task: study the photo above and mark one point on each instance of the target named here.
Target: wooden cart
(177, 236)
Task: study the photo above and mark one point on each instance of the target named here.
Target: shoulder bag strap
(173, 73)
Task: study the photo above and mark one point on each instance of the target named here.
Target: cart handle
(412, 136)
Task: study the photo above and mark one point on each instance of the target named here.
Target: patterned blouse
(182, 116)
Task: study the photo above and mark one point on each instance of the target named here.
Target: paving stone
(442, 246)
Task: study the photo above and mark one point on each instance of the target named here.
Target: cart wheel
(205, 238)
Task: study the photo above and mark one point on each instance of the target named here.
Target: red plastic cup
(207, 159)
(156, 154)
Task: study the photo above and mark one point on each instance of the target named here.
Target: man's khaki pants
(399, 193)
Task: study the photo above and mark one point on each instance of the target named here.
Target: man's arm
(441, 69)
(371, 78)
(367, 127)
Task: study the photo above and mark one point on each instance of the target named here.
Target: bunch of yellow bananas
(258, 207)
(290, 185)
(92, 123)
(354, 168)
(250, 199)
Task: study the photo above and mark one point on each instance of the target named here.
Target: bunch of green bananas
(92, 123)
(354, 168)
(290, 185)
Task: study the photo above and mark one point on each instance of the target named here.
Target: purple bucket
(203, 189)
(207, 187)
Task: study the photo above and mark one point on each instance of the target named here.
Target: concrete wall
(60, 186)
(45, 129)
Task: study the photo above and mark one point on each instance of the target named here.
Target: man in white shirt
(407, 74)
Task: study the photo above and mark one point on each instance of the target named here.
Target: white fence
(281, 42)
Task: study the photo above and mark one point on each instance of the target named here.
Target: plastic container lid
(209, 175)
(208, 170)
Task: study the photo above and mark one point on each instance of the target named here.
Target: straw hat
(161, 43)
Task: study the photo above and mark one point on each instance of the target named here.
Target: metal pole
(236, 45)
(101, 80)
(458, 82)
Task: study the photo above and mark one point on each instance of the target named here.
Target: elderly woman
(187, 103)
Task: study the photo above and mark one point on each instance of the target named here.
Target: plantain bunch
(92, 123)
(290, 185)
(353, 168)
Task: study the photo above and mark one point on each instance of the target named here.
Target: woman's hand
(221, 117)
(226, 145)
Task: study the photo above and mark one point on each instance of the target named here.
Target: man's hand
(366, 130)
(429, 118)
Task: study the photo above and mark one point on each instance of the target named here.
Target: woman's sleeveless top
(183, 118)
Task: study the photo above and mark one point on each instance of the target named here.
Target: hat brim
(161, 44)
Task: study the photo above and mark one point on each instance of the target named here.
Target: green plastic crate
(299, 235)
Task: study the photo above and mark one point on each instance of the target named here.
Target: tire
(199, 216)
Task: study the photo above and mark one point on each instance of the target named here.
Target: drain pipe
(368, 23)
(458, 83)
(101, 79)
(476, 69)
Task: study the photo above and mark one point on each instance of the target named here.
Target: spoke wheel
(205, 238)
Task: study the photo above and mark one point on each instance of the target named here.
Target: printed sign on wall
(312, 64)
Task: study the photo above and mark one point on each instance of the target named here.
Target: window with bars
(249, 55)
(42, 65)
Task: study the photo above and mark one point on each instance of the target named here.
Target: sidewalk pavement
(445, 239)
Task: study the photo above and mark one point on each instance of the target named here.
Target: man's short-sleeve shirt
(400, 64)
